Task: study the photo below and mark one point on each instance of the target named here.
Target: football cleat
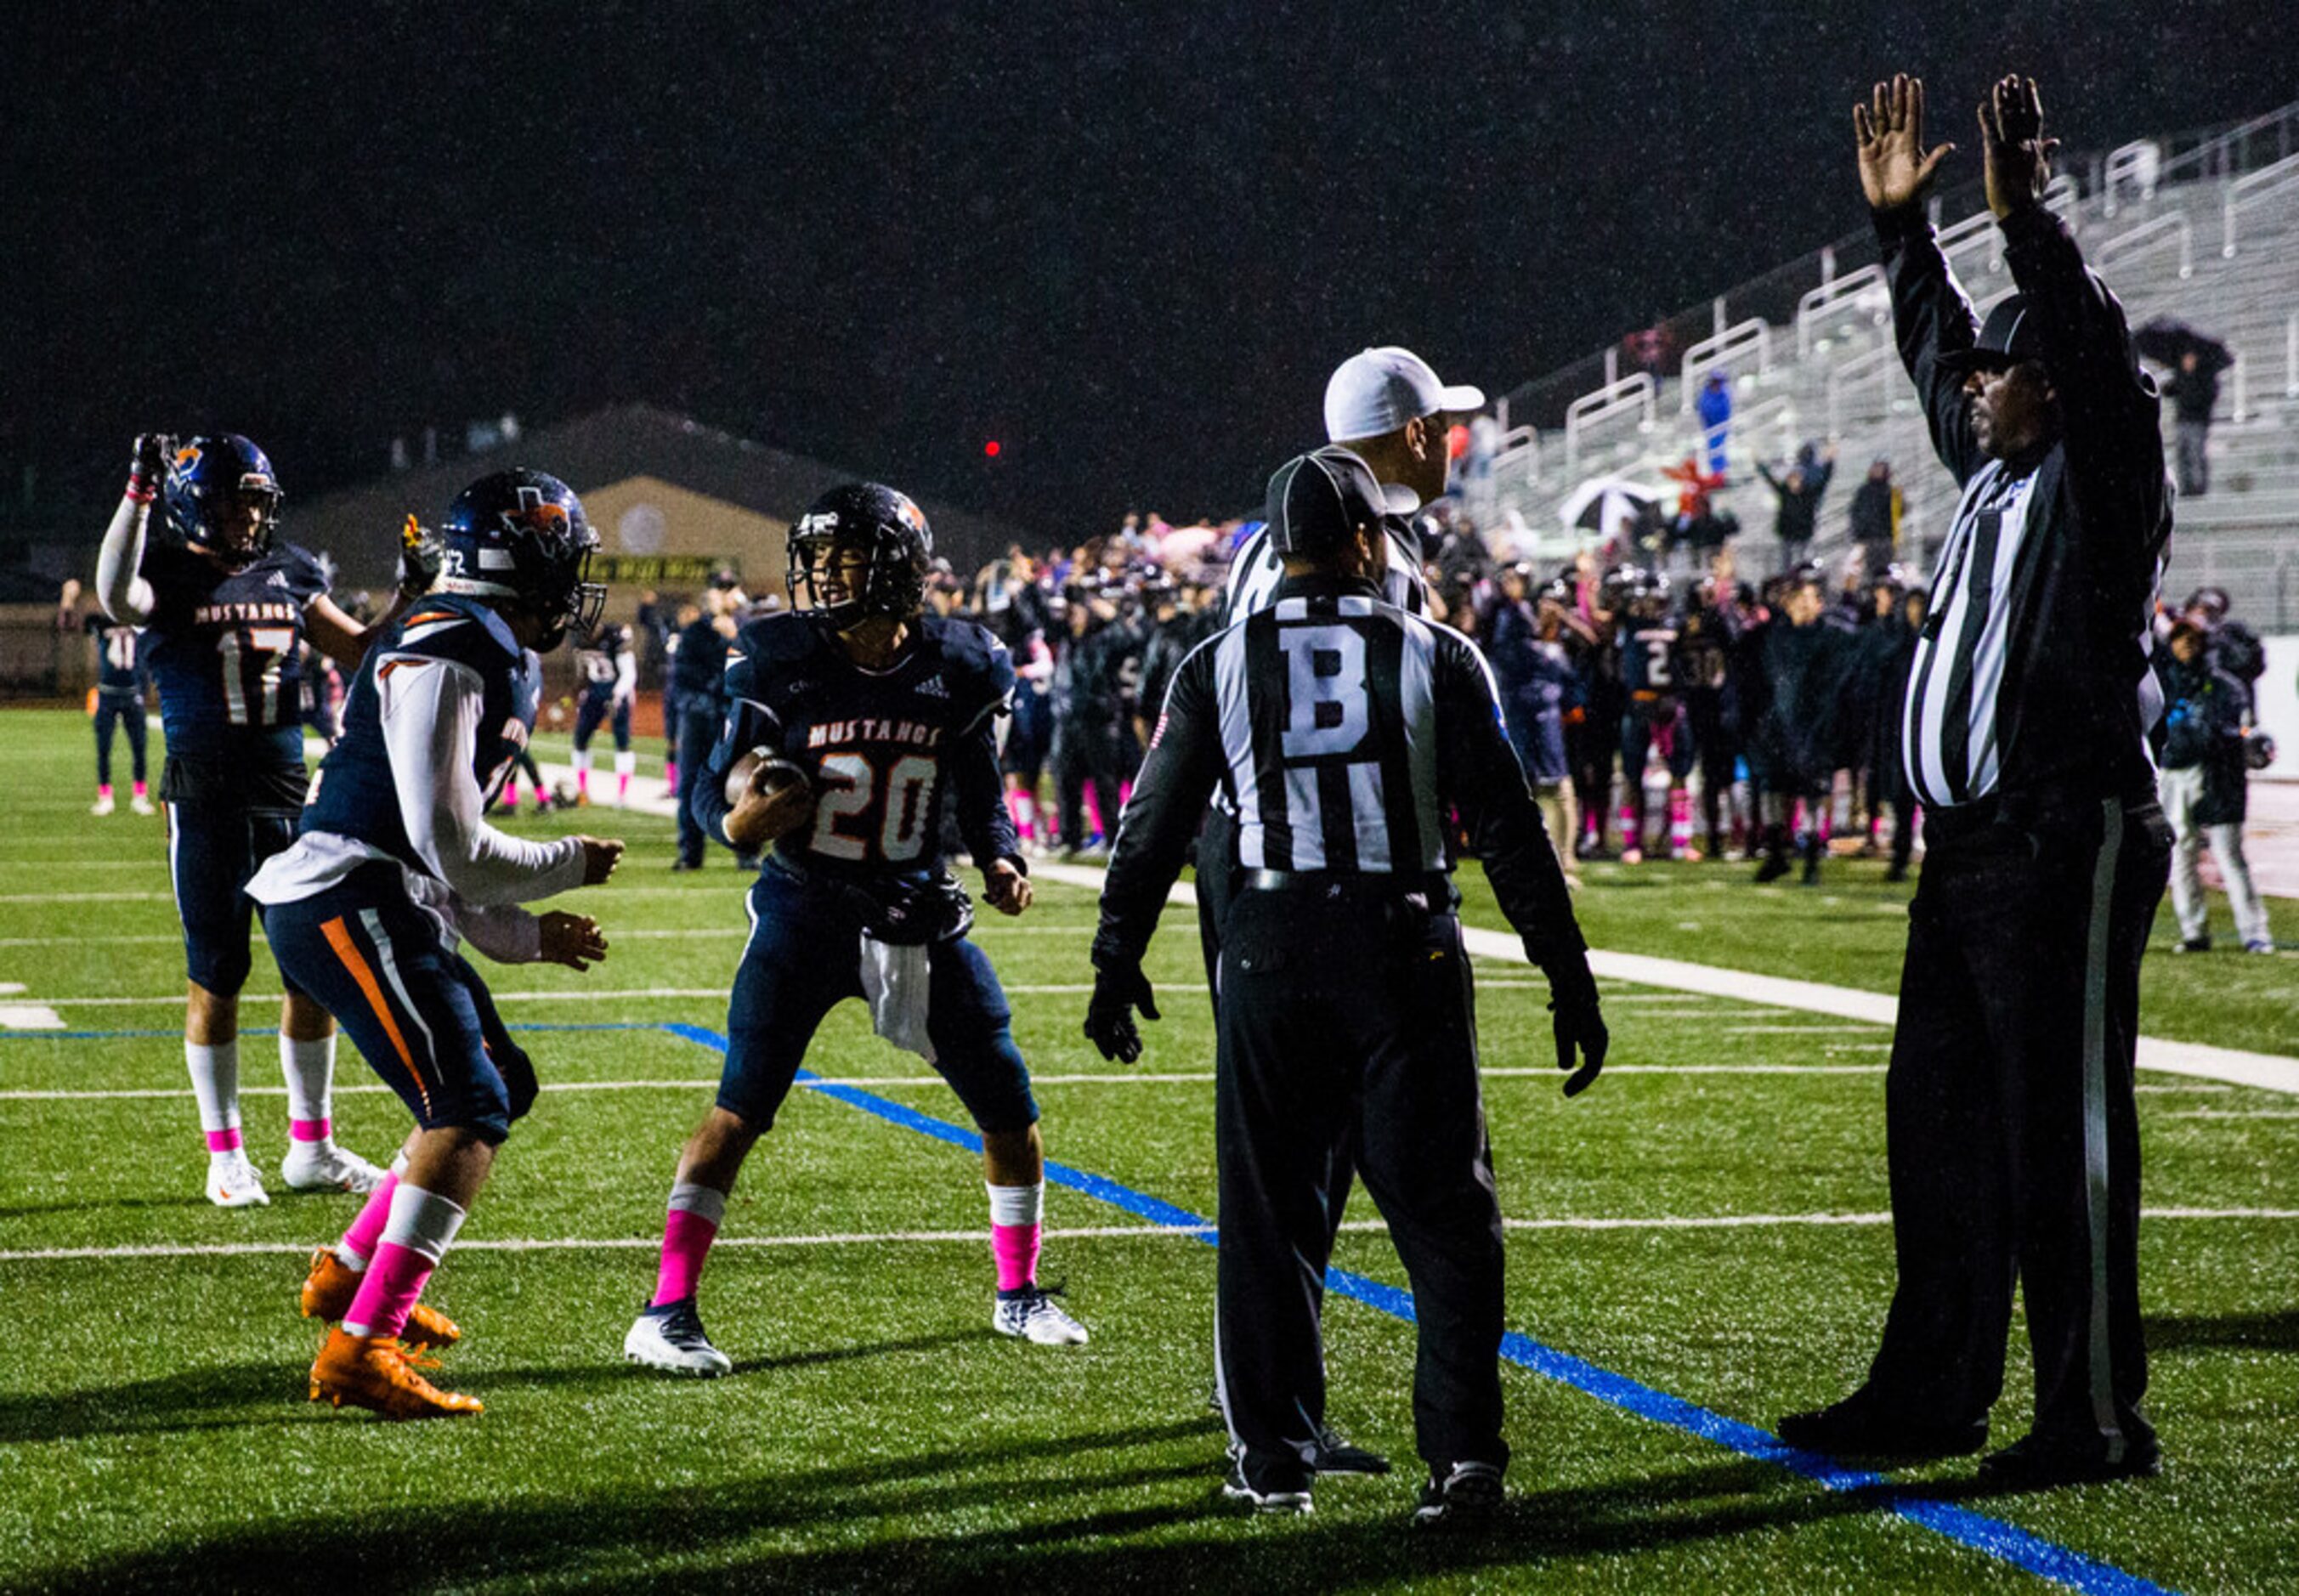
(1336, 1454)
(375, 1372)
(671, 1338)
(233, 1181)
(1031, 1313)
(1469, 1493)
(104, 805)
(324, 1166)
(143, 806)
(1268, 1496)
(331, 1285)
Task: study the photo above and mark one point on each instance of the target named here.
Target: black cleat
(1272, 1491)
(2033, 1463)
(1335, 1455)
(1860, 1427)
(1468, 1493)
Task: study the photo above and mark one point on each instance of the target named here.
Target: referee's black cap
(2008, 336)
(1317, 500)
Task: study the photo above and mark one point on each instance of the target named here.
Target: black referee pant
(1348, 1018)
(2014, 1138)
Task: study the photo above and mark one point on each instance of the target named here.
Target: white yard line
(2274, 1072)
(648, 1244)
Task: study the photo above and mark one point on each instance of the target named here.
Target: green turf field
(154, 1431)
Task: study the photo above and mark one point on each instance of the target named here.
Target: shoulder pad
(302, 568)
(788, 636)
(444, 626)
(975, 665)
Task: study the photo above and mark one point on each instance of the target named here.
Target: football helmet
(887, 528)
(209, 478)
(521, 535)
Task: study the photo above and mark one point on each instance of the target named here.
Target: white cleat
(233, 1181)
(1033, 1314)
(102, 806)
(143, 806)
(324, 1166)
(671, 1338)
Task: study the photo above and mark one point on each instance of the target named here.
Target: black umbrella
(2167, 341)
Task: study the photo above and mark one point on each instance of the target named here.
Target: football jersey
(1648, 659)
(223, 646)
(120, 669)
(354, 795)
(887, 751)
(601, 659)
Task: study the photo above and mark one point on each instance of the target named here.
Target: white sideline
(2270, 1071)
(648, 1244)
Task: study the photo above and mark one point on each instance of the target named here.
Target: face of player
(1804, 604)
(244, 525)
(835, 574)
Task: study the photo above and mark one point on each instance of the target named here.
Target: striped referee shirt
(1345, 732)
(1948, 722)
(1256, 569)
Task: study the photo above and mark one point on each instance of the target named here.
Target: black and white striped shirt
(1347, 733)
(1948, 720)
(1256, 568)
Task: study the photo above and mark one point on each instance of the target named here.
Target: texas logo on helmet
(537, 514)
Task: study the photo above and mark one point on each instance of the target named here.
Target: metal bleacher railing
(2202, 226)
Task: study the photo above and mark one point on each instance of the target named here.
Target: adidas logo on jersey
(932, 687)
(277, 579)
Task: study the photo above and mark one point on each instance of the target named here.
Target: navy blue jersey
(599, 660)
(887, 750)
(223, 646)
(698, 666)
(354, 795)
(1648, 659)
(121, 672)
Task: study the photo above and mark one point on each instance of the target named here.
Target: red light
(991, 448)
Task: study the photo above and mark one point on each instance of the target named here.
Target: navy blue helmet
(887, 528)
(521, 535)
(211, 478)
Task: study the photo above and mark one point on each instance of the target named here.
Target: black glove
(1578, 1025)
(148, 467)
(421, 553)
(1109, 1025)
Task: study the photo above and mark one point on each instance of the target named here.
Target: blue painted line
(1991, 1537)
(612, 1025)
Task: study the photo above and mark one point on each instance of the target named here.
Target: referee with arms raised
(2012, 1141)
(1343, 730)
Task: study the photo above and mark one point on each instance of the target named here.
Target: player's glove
(1117, 993)
(1578, 1025)
(148, 467)
(421, 553)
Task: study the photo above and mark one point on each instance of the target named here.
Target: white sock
(705, 1202)
(423, 1222)
(310, 1068)
(582, 760)
(625, 762)
(215, 1082)
(1017, 1205)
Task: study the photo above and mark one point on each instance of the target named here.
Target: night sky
(1128, 242)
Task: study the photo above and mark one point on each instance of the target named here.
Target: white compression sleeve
(120, 587)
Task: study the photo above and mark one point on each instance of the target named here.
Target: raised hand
(2018, 157)
(600, 858)
(1893, 169)
(573, 940)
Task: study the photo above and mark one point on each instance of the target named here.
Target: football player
(1653, 721)
(122, 678)
(224, 608)
(394, 867)
(611, 681)
(850, 725)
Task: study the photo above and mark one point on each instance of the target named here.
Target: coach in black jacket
(2013, 1143)
(1345, 732)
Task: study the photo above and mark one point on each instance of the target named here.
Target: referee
(2012, 1142)
(1343, 730)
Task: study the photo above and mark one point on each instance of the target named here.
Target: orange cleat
(375, 1372)
(330, 1286)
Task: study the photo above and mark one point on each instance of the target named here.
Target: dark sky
(1128, 241)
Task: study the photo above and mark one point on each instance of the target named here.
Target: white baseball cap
(1375, 392)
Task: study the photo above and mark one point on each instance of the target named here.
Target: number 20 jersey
(888, 752)
(224, 646)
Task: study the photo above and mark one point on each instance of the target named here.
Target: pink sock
(670, 775)
(359, 1243)
(227, 1140)
(139, 789)
(1015, 1249)
(688, 1229)
(310, 1130)
(1093, 809)
(394, 1279)
(583, 783)
(104, 789)
(622, 784)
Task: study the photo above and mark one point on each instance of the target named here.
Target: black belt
(1361, 883)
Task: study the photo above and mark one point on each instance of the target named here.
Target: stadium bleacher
(2204, 229)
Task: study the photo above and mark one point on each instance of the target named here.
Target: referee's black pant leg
(1426, 1162)
(1948, 1156)
(2066, 1035)
(1283, 1097)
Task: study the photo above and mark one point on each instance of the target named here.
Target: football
(770, 774)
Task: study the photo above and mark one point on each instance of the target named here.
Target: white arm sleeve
(430, 714)
(626, 677)
(505, 933)
(120, 588)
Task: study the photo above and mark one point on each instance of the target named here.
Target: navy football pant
(418, 1013)
(213, 849)
(698, 731)
(804, 956)
(128, 713)
(592, 711)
